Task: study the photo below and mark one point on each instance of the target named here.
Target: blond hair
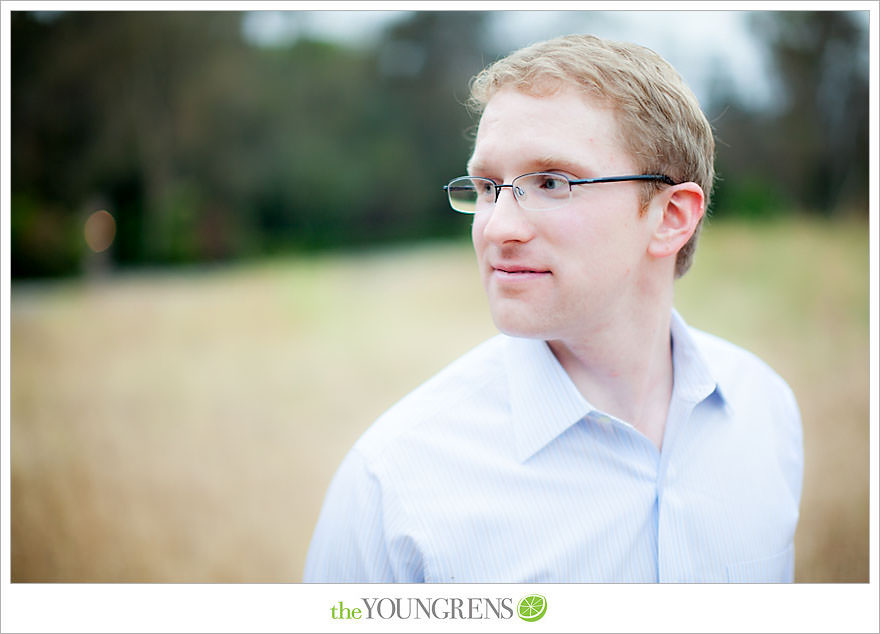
(660, 120)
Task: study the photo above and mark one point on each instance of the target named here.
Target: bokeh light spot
(100, 230)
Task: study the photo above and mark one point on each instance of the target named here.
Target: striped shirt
(498, 470)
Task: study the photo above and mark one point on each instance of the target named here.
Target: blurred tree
(205, 147)
(823, 65)
(105, 110)
(811, 149)
(423, 69)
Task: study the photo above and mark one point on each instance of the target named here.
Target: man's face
(563, 273)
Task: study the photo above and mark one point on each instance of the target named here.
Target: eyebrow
(551, 162)
(472, 167)
(544, 163)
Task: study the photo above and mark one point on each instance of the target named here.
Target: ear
(681, 208)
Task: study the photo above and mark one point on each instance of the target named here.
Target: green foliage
(753, 198)
(45, 240)
(204, 147)
(809, 150)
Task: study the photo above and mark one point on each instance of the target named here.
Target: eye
(550, 182)
(484, 187)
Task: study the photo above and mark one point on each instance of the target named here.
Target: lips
(518, 271)
(511, 268)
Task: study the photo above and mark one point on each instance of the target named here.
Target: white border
(572, 607)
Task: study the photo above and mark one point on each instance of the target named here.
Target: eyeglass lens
(533, 192)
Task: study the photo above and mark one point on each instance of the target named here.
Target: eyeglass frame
(663, 178)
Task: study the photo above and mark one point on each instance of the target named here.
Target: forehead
(565, 130)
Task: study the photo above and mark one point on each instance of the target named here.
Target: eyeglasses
(539, 191)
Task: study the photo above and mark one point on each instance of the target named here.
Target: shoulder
(760, 402)
(740, 373)
(444, 403)
(373, 524)
(727, 358)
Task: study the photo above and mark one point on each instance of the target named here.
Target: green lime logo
(532, 607)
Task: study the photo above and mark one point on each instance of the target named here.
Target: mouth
(515, 271)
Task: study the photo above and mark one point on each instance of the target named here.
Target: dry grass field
(184, 426)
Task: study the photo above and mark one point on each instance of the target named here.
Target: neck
(623, 364)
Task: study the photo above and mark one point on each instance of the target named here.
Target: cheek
(589, 251)
(604, 228)
(477, 232)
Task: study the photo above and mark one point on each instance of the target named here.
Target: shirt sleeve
(794, 458)
(348, 545)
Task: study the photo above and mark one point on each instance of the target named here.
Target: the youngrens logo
(529, 608)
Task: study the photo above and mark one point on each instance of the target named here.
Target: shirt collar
(693, 380)
(545, 402)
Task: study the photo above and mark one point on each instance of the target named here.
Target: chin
(517, 325)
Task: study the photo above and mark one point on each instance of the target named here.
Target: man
(599, 438)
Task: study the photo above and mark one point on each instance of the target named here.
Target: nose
(506, 221)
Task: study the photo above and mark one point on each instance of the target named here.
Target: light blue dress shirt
(498, 470)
